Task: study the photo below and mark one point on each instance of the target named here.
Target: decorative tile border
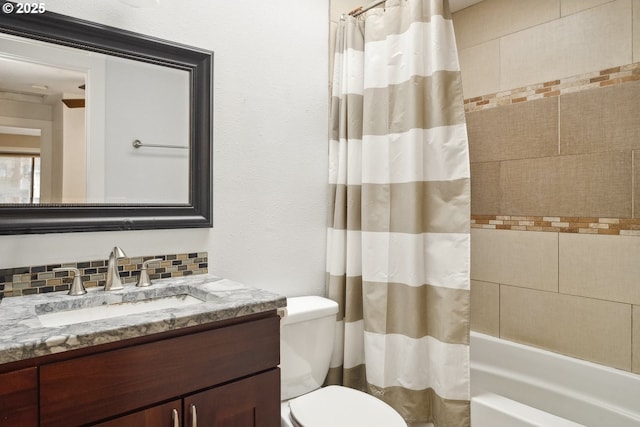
(41, 279)
(603, 78)
(559, 224)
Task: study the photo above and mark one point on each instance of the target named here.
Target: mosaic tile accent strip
(558, 224)
(42, 279)
(603, 78)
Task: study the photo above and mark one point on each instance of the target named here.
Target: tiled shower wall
(552, 92)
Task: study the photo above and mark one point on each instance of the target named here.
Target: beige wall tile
(516, 131)
(485, 307)
(594, 39)
(600, 120)
(590, 329)
(636, 339)
(519, 258)
(572, 6)
(587, 185)
(636, 30)
(605, 267)
(636, 184)
(491, 19)
(480, 68)
(485, 188)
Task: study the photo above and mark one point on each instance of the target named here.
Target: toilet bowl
(307, 333)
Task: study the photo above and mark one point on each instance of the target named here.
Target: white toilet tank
(306, 343)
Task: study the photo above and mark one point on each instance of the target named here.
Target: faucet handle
(144, 279)
(77, 288)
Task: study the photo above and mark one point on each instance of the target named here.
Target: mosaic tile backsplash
(41, 279)
(610, 226)
(597, 79)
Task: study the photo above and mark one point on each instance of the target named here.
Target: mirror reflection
(68, 119)
(42, 128)
(19, 165)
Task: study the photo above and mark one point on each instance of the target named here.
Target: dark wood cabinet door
(166, 415)
(92, 388)
(251, 402)
(19, 398)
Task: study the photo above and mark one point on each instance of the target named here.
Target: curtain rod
(361, 10)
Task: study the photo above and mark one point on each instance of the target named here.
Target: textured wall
(569, 155)
(270, 143)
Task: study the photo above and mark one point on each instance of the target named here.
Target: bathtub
(514, 385)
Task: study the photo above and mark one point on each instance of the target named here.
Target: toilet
(307, 331)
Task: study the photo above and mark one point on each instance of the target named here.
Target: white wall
(270, 142)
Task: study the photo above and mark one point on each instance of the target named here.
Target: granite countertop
(23, 336)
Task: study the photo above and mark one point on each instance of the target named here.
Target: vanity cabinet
(19, 398)
(242, 403)
(168, 414)
(222, 375)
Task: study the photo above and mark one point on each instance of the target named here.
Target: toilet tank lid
(300, 309)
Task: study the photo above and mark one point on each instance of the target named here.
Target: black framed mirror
(61, 30)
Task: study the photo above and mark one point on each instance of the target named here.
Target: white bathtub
(514, 385)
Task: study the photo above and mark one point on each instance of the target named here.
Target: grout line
(558, 260)
(632, 29)
(499, 311)
(568, 294)
(559, 124)
(499, 64)
(633, 183)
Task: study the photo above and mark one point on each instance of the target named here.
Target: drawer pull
(176, 418)
(194, 416)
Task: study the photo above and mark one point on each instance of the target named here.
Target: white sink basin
(106, 311)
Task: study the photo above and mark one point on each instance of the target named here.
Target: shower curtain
(399, 212)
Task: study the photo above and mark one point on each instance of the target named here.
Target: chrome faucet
(77, 288)
(113, 278)
(144, 279)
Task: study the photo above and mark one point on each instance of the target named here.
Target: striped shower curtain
(399, 212)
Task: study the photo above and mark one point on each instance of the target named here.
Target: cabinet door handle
(176, 418)
(194, 416)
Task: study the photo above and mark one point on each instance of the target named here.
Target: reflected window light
(19, 179)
